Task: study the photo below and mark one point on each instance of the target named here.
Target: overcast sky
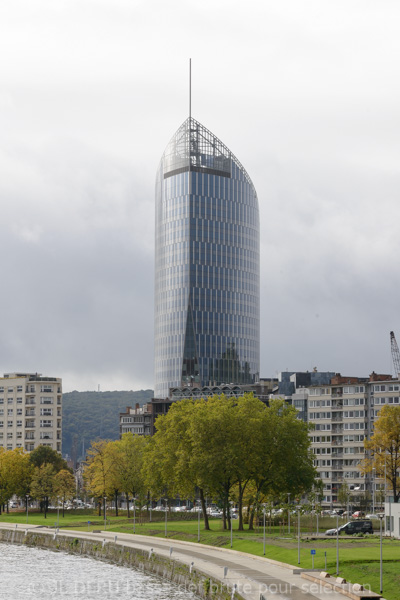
(305, 93)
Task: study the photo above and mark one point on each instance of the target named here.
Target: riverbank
(207, 571)
(108, 548)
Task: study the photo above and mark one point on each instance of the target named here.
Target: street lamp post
(105, 512)
(380, 545)
(264, 527)
(166, 511)
(27, 505)
(298, 535)
(337, 544)
(384, 502)
(151, 506)
(198, 521)
(288, 512)
(231, 525)
(134, 514)
(58, 512)
(373, 490)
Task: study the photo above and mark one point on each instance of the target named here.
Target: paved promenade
(253, 576)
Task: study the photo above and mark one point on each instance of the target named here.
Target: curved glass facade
(207, 296)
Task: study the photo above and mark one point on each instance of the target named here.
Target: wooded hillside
(88, 416)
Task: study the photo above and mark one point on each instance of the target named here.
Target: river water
(36, 574)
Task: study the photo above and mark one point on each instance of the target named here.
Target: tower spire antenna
(190, 88)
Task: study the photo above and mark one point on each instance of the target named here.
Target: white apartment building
(30, 411)
(343, 414)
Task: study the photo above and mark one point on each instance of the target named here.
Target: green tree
(5, 482)
(42, 485)
(167, 467)
(129, 465)
(15, 474)
(344, 494)
(384, 448)
(282, 460)
(99, 471)
(64, 486)
(215, 450)
(44, 455)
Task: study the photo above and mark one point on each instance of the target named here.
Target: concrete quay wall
(191, 579)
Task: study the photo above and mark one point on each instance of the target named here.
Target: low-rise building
(30, 411)
(136, 420)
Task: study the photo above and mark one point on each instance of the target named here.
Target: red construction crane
(395, 353)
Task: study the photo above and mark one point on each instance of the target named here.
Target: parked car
(372, 516)
(358, 514)
(352, 527)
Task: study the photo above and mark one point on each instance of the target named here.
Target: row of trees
(39, 475)
(231, 450)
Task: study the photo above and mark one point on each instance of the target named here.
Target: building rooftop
(195, 148)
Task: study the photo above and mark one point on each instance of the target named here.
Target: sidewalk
(254, 577)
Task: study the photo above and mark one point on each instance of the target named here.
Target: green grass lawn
(358, 557)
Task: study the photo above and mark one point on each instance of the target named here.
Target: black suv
(352, 527)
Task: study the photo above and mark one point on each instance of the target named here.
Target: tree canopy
(221, 445)
(384, 447)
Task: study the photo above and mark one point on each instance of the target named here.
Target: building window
(46, 400)
(349, 389)
(46, 423)
(9, 423)
(46, 412)
(46, 388)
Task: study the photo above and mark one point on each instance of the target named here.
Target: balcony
(30, 412)
(337, 403)
(336, 429)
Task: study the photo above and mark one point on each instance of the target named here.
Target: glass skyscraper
(207, 254)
